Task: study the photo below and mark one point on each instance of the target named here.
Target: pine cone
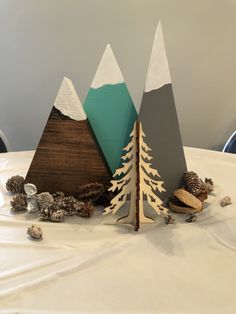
(69, 205)
(35, 232)
(209, 185)
(192, 182)
(86, 211)
(57, 216)
(45, 200)
(19, 203)
(58, 195)
(104, 199)
(208, 180)
(15, 184)
(169, 219)
(46, 213)
(91, 191)
(191, 217)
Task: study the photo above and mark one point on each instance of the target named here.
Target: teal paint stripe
(112, 114)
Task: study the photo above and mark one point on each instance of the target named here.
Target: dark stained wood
(137, 209)
(67, 156)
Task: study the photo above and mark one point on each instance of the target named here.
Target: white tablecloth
(88, 266)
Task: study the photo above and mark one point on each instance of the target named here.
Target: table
(88, 266)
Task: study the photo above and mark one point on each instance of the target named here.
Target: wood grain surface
(67, 156)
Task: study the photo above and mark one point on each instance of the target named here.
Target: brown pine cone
(86, 211)
(58, 195)
(209, 185)
(57, 216)
(169, 219)
(69, 205)
(208, 180)
(15, 184)
(45, 200)
(19, 203)
(46, 213)
(191, 217)
(192, 182)
(90, 192)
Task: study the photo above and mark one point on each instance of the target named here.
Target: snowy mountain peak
(108, 71)
(158, 71)
(68, 102)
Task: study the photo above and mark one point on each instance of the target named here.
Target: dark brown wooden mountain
(67, 156)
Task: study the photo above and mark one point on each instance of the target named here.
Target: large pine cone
(192, 182)
(90, 192)
(15, 184)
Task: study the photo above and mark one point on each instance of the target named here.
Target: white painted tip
(158, 73)
(108, 71)
(68, 102)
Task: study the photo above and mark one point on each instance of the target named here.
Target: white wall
(43, 40)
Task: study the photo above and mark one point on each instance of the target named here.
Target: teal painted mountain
(110, 109)
(111, 113)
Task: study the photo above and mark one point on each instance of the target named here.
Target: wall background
(41, 41)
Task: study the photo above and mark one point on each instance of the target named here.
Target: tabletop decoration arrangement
(81, 147)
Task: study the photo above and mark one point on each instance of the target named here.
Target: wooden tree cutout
(137, 179)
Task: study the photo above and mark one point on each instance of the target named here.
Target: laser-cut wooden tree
(137, 179)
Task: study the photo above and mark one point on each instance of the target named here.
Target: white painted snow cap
(68, 102)
(158, 73)
(108, 71)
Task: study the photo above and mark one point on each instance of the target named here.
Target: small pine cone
(209, 185)
(225, 201)
(15, 184)
(69, 205)
(46, 213)
(169, 219)
(86, 211)
(45, 200)
(35, 232)
(191, 217)
(57, 216)
(19, 203)
(208, 180)
(90, 192)
(58, 195)
(192, 182)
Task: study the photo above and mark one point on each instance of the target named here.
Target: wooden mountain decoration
(159, 119)
(137, 180)
(110, 109)
(67, 155)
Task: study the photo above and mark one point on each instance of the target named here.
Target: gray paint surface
(160, 125)
(42, 41)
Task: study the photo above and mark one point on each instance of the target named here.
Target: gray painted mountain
(160, 124)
